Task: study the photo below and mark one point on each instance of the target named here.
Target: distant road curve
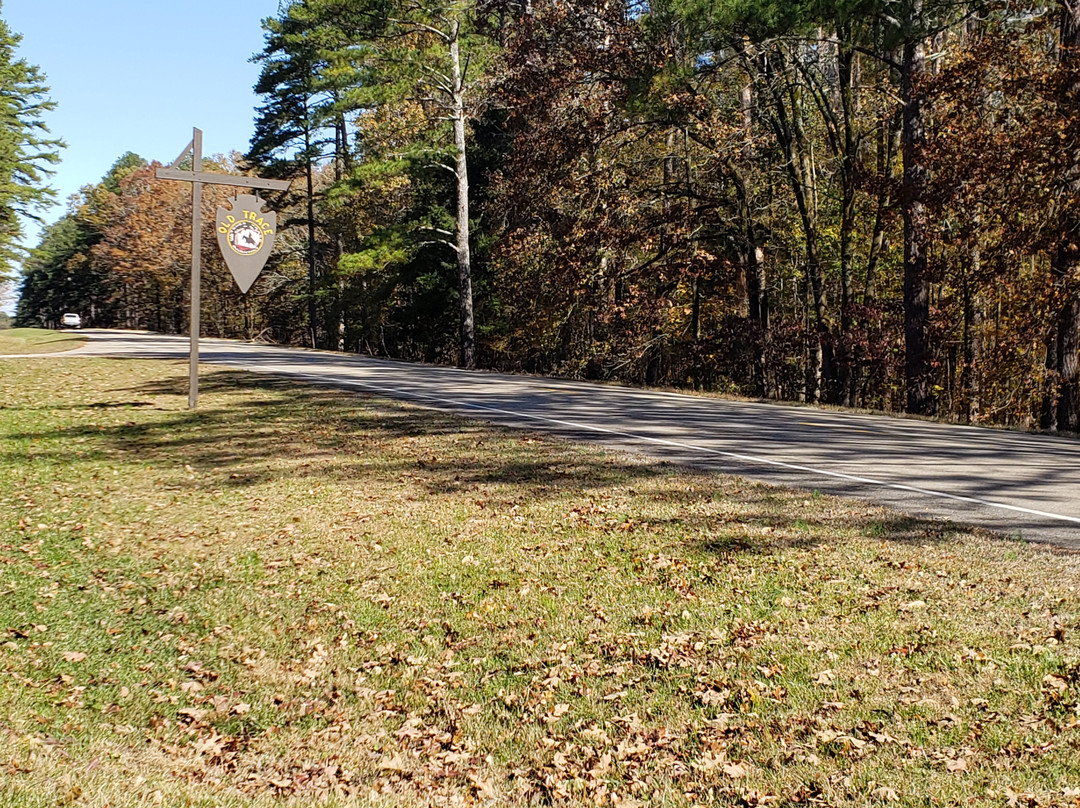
(1015, 483)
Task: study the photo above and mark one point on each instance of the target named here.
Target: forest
(863, 203)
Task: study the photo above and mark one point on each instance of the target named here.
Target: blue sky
(137, 76)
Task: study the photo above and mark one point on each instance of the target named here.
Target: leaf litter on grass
(298, 596)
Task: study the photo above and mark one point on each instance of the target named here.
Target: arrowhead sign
(245, 235)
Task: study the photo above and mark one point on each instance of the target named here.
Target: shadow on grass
(100, 405)
(323, 433)
(786, 532)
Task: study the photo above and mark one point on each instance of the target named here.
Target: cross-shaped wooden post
(197, 177)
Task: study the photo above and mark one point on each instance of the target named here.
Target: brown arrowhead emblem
(245, 235)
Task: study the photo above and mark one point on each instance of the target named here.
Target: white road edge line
(675, 444)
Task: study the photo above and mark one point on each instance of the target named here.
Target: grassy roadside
(299, 596)
(17, 341)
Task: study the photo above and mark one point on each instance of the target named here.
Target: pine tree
(329, 58)
(301, 121)
(26, 151)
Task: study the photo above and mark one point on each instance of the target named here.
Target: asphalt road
(1018, 484)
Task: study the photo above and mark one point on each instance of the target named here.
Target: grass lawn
(299, 596)
(37, 340)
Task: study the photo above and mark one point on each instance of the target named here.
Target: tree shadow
(354, 437)
(793, 533)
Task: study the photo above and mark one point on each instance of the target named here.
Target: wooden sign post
(197, 177)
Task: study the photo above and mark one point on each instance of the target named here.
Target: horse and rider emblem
(246, 236)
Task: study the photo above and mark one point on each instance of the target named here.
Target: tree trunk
(847, 368)
(888, 138)
(1065, 262)
(916, 274)
(342, 326)
(790, 132)
(1064, 350)
(1068, 414)
(342, 165)
(972, 339)
(1048, 414)
(312, 314)
(464, 258)
(753, 258)
(695, 310)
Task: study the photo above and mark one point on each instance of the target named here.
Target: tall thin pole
(196, 259)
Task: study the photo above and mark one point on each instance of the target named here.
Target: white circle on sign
(245, 238)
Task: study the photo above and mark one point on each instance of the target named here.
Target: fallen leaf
(885, 794)
(1056, 682)
(557, 712)
(392, 764)
(196, 715)
(735, 770)
(957, 765)
(483, 788)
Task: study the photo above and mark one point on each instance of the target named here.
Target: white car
(71, 321)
